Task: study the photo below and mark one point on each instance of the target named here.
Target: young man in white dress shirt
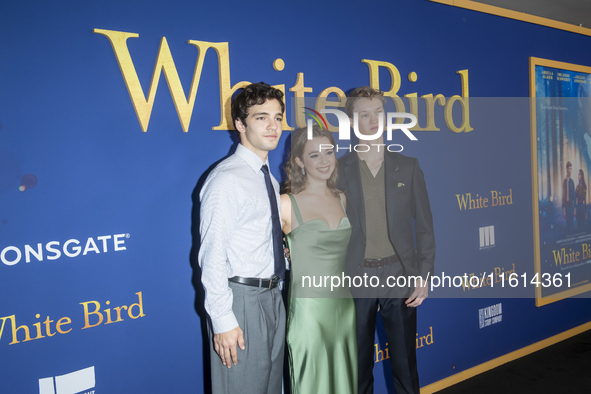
(241, 253)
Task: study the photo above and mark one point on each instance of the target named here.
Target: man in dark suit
(568, 199)
(385, 191)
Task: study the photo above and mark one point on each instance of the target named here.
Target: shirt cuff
(224, 323)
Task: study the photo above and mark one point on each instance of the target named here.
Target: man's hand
(418, 296)
(225, 345)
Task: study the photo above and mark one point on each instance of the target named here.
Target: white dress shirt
(236, 231)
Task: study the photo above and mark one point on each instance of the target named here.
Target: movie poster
(561, 164)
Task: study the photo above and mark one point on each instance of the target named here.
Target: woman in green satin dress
(321, 317)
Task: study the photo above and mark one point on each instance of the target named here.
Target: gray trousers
(261, 315)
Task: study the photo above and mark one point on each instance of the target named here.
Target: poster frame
(533, 62)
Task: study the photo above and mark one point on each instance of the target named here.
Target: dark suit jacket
(406, 198)
(571, 192)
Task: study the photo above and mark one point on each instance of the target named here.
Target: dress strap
(294, 204)
(342, 206)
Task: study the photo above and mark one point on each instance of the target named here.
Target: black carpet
(564, 367)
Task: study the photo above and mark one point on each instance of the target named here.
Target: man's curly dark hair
(254, 94)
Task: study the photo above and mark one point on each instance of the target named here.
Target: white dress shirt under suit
(236, 231)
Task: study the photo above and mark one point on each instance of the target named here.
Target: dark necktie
(277, 234)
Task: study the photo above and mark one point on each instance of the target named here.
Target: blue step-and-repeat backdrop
(112, 113)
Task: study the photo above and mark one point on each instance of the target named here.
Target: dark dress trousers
(568, 203)
(406, 199)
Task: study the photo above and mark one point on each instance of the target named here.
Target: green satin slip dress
(321, 323)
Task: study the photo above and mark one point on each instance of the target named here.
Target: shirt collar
(250, 158)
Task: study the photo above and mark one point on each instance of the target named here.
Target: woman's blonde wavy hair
(296, 181)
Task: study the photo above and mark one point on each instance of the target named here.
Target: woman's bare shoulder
(343, 199)
(285, 201)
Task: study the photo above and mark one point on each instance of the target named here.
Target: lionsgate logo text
(11, 255)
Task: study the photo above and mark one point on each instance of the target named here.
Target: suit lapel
(391, 170)
(353, 175)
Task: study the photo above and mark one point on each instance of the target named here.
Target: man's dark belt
(376, 263)
(257, 282)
